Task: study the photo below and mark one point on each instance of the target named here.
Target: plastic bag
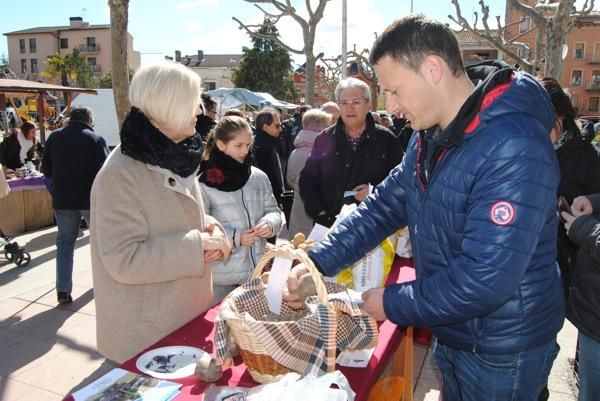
(289, 388)
(372, 270)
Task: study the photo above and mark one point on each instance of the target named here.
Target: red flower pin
(215, 176)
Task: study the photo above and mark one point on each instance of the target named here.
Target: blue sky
(161, 27)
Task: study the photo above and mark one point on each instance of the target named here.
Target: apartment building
(214, 69)
(581, 67)
(475, 49)
(29, 48)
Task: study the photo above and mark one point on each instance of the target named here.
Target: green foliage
(72, 69)
(105, 81)
(266, 67)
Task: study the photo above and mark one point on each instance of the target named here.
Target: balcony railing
(89, 48)
(594, 60)
(592, 86)
(96, 67)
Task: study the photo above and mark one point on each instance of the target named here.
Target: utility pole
(344, 39)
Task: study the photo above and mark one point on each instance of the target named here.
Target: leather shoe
(64, 298)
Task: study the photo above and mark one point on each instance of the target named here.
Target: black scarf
(142, 141)
(225, 173)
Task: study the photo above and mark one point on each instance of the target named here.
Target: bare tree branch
(273, 17)
(585, 9)
(495, 41)
(265, 37)
(529, 11)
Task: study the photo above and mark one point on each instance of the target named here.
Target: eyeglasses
(352, 103)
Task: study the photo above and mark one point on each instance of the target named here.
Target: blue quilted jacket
(480, 204)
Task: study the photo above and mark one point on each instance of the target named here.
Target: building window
(576, 77)
(22, 45)
(64, 43)
(34, 65)
(210, 86)
(32, 46)
(23, 65)
(594, 104)
(525, 25)
(579, 50)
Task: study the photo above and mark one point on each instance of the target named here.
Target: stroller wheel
(9, 255)
(23, 260)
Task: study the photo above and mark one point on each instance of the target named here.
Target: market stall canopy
(12, 87)
(227, 98)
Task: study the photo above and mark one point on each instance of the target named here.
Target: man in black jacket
(72, 157)
(347, 157)
(583, 305)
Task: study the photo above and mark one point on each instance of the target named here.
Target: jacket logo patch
(502, 213)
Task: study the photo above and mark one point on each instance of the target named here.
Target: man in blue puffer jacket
(477, 190)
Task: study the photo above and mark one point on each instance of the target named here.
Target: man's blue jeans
(68, 222)
(472, 376)
(589, 368)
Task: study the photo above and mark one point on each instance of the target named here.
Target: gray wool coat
(238, 211)
(147, 254)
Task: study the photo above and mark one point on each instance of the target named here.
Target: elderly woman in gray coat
(240, 197)
(313, 122)
(151, 242)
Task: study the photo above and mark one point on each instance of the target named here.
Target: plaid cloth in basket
(303, 341)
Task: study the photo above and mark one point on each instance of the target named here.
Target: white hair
(350, 83)
(316, 120)
(167, 93)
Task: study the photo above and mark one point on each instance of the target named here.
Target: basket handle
(291, 253)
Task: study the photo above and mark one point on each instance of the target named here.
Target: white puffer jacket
(238, 211)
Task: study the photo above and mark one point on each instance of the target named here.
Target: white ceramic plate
(170, 362)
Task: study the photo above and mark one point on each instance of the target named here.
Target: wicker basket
(303, 341)
(262, 367)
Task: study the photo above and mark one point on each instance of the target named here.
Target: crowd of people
(472, 160)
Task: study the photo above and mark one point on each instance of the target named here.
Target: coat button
(171, 181)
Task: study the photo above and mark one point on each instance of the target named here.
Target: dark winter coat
(267, 157)
(583, 307)
(10, 151)
(579, 175)
(479, 200)
(333, 167)
(72, 157)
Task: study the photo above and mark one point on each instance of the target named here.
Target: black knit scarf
(225, 173)
(142, 141)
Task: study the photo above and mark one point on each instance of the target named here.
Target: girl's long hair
(225, 130)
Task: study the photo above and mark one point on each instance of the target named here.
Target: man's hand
(247, 238)
(373, 304)
(581, 205)
(569, 219)
(263, 230)
(290, 289)
(362, 191)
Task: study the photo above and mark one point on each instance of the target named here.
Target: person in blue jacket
(477, 190)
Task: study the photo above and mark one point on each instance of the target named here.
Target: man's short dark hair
(207, 102)
(409, 39)
(303, 109)
(83, 114)
(266, 116)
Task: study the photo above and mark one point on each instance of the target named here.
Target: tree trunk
(120, 76)
(309, 86)
(374, 94)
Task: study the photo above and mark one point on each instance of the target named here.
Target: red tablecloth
(200, 332)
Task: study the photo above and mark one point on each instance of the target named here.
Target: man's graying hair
(351, 83)
(83, 114)
(410, 39)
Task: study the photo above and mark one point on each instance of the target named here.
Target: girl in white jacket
(240, 197)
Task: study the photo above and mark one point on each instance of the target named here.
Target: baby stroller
(13, 252)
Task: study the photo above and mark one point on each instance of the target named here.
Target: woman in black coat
(579, 169)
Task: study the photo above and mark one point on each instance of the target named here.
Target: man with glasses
(207, 120)
(348, 157)
(266, 149)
